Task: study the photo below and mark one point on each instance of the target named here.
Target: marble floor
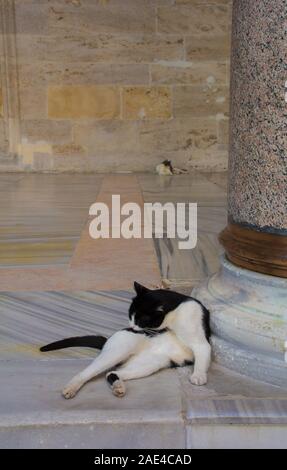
(189, 267)
(45, 245)
(160, 411)
(29, 320)
(42, 217)
(55, 281)
(110, 263)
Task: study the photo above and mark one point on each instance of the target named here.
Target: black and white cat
(166, 329)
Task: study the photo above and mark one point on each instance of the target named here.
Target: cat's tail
(96, 342)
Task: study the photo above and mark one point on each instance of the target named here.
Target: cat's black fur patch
(111, 378)
(185, 363)
(149, 332)
(96, 342)
(151, 306)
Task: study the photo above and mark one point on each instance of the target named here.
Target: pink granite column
(257, 198)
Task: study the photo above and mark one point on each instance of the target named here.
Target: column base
(248, 321)
(262, 252)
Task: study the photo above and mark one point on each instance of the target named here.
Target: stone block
(42, 162)
(72, 163)
(120, 435)
(68, 150)
(146, 103)
(31, 17)
(188, 73)
(200, 101)
(236, 437)
(72, 102)
(43, 73)
(33, 103)
(4, 144)
(30, 152)
(53, 131)
(1, 103)
(107, 138)
(198, 19)
(93, 419)
(188, 141)
(138, 48)
(135, 16)
(164, 2)
(228, 73)
(200, 2)
(206, 49)
(223, 131)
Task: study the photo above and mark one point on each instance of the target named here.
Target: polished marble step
(161, 411)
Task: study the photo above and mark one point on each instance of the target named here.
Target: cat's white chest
(170, 346)
(186, 323)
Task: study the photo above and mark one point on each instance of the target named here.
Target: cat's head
(168, 164)
(147, 309)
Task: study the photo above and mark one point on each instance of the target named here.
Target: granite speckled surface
(258, 138)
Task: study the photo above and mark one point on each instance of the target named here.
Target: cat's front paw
(69, 392)
(198, 379)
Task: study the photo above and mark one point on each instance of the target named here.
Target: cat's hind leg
(141, 365)
(119, 347)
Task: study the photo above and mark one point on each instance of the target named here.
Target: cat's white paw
(198, 379)
(118, 388)
(69, 392)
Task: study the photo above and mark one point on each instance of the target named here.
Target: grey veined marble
(248, 321)
(29, 320)
(208, 190)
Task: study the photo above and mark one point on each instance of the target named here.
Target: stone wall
(117, 84)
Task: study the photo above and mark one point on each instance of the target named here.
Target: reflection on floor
(42, 217)
(45, 245)
(104, 263)
(188, 267)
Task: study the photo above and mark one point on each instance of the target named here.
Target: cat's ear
(140, 289)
